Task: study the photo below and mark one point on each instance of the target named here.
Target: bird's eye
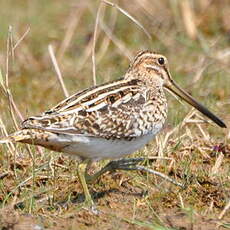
(161, 61)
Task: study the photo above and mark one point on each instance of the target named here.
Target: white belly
(99, 148)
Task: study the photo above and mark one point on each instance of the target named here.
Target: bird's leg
(82, 174)
(123, 164)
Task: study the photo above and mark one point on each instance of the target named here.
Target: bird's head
(153, 70)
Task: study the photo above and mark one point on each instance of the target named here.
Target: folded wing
(107, 111)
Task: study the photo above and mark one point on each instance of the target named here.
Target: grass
(44, 184)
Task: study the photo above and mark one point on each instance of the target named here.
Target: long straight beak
(174, 88)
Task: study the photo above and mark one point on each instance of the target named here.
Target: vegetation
(193, 35)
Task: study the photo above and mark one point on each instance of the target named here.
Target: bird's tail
(19, 136)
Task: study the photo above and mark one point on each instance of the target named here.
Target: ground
(39, 189)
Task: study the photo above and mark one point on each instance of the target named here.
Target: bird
(109, 121)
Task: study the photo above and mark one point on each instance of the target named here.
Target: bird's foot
(124, 164)
(90, 206)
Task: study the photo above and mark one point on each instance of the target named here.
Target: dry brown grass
(91, 45)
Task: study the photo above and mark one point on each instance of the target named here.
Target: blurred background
(195, 37)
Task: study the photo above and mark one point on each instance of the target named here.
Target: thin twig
(10, 145)
(83, 59)
(142, 168)
(224, 210)
(21, 38)
(106, 41)
(94, 43)
(7, 57)
(188, 17)
(129, 16)
(217, 165)
(116, 41)
(121, 46)
(8, 93)
(14, 108)
(11, 44)
(72, 21)
(57, 69)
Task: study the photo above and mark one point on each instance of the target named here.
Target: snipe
(109, 120)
